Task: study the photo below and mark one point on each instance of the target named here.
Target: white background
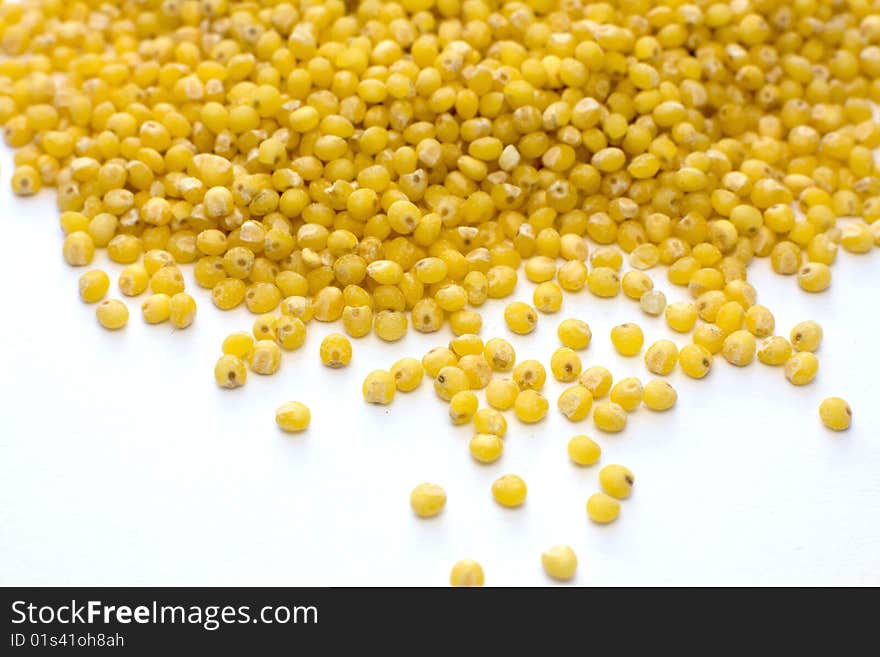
(122, 463)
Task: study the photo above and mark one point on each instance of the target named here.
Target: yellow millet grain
(394, 164)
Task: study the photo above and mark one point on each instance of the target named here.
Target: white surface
(121, 463)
